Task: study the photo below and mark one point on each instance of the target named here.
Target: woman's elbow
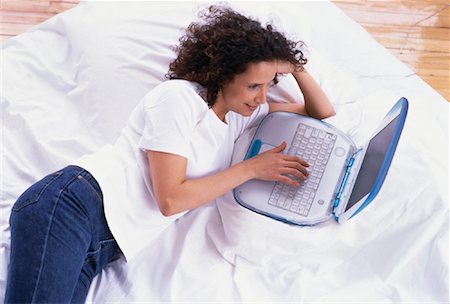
(330, 113)
(166, 206)
(328, 110)
(324, 114)
(166, 211)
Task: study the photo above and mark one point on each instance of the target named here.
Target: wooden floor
(415, 31)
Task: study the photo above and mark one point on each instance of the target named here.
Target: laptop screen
(372, 162)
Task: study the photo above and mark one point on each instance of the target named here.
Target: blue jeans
(59, 239)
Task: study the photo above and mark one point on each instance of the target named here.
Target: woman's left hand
(285, 67)
(316, 103)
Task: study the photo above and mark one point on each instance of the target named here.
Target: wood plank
(423, 60)
(441, 19)
(52, 7)
(426, 45)
(25, 17)
(60, 6)
(436, 82)
(388, 30)
(440, 73)
(407, 3)
(397, 18)
(404, 7)
(25, 5)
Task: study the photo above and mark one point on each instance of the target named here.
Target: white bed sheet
(69, 84)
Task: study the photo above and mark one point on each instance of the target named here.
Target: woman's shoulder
(176, 86)
(176, 94)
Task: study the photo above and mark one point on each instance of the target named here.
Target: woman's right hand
(272, 165)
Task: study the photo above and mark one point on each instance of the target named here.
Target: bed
(69, 84)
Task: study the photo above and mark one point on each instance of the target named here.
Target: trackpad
(265, 147)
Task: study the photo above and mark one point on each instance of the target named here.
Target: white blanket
(70, 83)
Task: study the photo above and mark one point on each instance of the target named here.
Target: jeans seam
(49, 228)
(86, 182)
(39, 194)
(102, 245)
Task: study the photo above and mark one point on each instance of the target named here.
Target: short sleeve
(171, 112)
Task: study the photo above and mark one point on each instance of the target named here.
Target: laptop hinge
(344, 181)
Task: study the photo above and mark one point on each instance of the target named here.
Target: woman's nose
(262, 96)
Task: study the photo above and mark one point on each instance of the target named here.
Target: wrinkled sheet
(69, 84)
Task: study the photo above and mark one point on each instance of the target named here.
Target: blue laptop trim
(272, 216)
(403, 105)
(254, 149)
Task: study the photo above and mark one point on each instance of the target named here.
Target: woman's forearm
(317, 104)
(193, 193)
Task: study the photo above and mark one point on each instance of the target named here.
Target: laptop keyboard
(314, 146)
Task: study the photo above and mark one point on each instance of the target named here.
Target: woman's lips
(252, 108)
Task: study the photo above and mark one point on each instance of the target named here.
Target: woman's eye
(274, 81)
(253, 86)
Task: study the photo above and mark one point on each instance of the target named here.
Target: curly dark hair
(213, 52)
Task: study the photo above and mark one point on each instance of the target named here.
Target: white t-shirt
(172, 118)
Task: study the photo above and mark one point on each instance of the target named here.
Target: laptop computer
(343, 179)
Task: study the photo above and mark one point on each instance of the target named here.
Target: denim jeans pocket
(34, 192)
(106, 252)
(95, 190)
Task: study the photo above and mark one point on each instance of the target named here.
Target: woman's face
(246, 91)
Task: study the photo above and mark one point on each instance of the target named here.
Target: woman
(172, 156)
